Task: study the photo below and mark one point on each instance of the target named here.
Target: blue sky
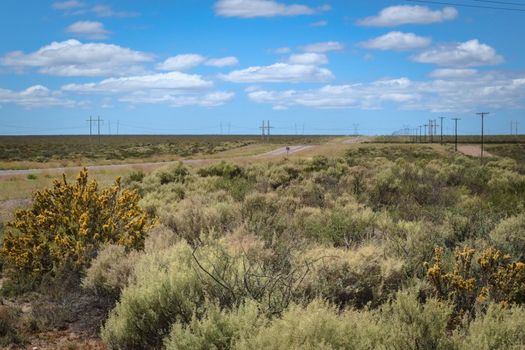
(192, 66)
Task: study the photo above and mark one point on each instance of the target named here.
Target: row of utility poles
(98, 122)
(265, 130)
(430, 130)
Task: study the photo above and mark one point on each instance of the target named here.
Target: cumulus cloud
(466, 54)
(396, 41)
(88, 29)
(319, 24)
(107, 11)
(222, 62)
(279, 73)
(407, 14)
(67, 5)
(73, 58)
(323, 47)
(160, 81)
(281, 50)
(309, 58)
(263, 8)
(35, 96)
(185, 62)
(175, 89)
(454, 94)
(212, 99)
(182, 62)
(452, 73)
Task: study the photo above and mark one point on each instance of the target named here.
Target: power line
(467, 5)
(501, 2)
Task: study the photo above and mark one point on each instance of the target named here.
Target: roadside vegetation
(386, 247)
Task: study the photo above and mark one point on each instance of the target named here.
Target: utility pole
(356, 127)
(441, 128)
(90, 120)
(456, 132)
(431, 130)
(268, 127)
(482, 115)
(118, 122)
(98, 120)
(425, 125)
(420, 135)
(263, 128)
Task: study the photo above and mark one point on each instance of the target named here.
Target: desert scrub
(222, 169)
(9, 321)
(319, 325)
(69, 222)
(218, 329)
(498, 329)
(342, 226)
(509, 235)
(109, 271)
(351, 278)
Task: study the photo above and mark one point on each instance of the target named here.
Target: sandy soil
(473, 151)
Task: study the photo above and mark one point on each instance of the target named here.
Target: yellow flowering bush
(493, 279)
(67, 224)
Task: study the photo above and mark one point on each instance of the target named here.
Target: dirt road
(473, 151)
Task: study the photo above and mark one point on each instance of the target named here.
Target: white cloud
(455, 94)
(175, 89)
(452, 73)
(279, 73)
(466, 54)
(73, 58)
(319, 24)
(35, 96)
(262, 8)
(74, 7)
(88, 29)
(67, 5)
(107, 11)
(308, 58)
(407, 14)
(160, 81)
(323, 47)
(212, 99)
(182, 62)
(185, 62)
(222, 62)
(396, 41)
(281, 50)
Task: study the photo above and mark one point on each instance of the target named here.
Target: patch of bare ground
(8, 207)
(473, 151)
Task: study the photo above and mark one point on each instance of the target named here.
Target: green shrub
(340, 226)
(316, 326)
(409, 324)
(498, 329)
(509, 235)
(217, 329)
(9, 320)
(222, 169)
(164, 290)
(356, 278)
(109, 271)
(175, 173)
